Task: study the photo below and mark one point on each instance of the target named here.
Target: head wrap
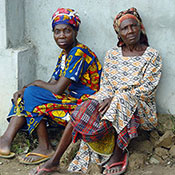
(130, 13)
(66, 16)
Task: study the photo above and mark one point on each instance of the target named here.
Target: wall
(97, 32)
(31, 23)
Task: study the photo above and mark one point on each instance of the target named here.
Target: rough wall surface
(97, 32)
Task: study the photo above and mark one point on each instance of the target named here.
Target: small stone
(168, 163)
(1, 163)
(172, 151)
(166, 140)
(161, 152)
(154, 160)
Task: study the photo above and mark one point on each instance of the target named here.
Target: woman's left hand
(104, 105)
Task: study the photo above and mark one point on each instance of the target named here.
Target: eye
(123, 28)
(67, 31)
(56, 31)
(134, 26)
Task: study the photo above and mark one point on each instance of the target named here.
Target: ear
(76, 33)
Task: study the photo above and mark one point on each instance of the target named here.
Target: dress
(132, 82)
(83, 68)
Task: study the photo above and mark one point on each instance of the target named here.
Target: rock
(165, 122)
(94, 169)
(155, 160)
(143, 146)
(161, 152)
(166, 140)
(172, 151)
(136, 160)
(70, 153)
(1, 163)
(154, 136)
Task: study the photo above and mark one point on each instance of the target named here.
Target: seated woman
(76, 77)
(126, 101)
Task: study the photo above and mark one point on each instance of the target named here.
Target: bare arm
(57, 87)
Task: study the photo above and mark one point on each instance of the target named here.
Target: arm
(57, 87)
(150, 79)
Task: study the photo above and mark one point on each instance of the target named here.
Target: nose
(61, 35)
(130, 29)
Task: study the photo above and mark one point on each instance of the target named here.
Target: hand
(18, 94)
(104, 105)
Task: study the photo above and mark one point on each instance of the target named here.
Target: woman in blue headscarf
(75, 78)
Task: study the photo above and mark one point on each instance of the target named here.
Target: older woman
(126, 101)
(75, 78)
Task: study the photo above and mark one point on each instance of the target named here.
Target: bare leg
(53, 163)
(117, 156)
(6, 139)
(44, 146)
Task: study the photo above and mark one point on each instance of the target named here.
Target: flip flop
(7, 156)
(38, 170)
(124, 164)
(42, 158)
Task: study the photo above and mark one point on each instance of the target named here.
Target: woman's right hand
(104, 105)
(18, 94)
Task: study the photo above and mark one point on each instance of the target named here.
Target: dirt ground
(13, 167)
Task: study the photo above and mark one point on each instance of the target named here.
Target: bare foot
(4, 146)
(47, 167)
(34, 157)
(116, 164)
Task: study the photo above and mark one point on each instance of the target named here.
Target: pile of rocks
(155, 147)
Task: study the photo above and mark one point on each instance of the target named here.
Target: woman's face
(129, 31)
(64, 36)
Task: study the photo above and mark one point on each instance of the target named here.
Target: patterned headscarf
(130, 13)
(66, 16)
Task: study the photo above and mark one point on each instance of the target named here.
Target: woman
(76, 77)
(126, 100)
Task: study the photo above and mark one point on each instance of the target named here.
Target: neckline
(120, 50)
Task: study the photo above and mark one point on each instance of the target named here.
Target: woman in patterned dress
(76, 77)
(126, 100)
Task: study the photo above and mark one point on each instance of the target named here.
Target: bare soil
(13, 167)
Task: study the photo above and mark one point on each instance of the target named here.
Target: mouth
(131, 37)
(61, 43)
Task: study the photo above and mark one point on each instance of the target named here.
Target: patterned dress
(132, 82)
(83, 68)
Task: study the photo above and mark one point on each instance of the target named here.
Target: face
(129, 31)
(64, 36)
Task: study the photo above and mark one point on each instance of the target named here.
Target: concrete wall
(17, 63)
(29, 21)
(97, 32)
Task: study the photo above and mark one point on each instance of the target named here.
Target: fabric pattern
(83, 68)
(83, 158)
(132, 82)
(66, 16)
(87, 122)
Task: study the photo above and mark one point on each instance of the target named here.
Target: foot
(32, 157)
(45, 168)
(116, 164)
(4, 146)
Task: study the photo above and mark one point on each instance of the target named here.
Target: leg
(52, 164)
(113, 166)
(6, 139)
(44, 147)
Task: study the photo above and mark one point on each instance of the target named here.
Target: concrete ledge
(17, 68)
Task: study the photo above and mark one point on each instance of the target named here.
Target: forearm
(45, 85)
